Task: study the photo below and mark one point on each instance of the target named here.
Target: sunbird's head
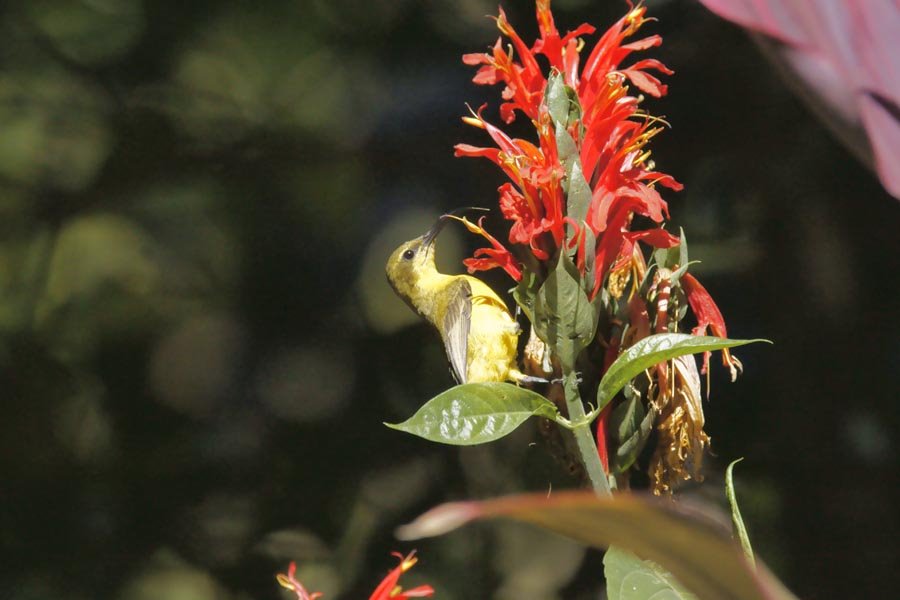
(412, 259)
(415, 258)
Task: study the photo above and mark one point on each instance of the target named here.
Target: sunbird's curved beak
(431, 234)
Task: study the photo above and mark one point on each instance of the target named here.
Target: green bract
(564, 317)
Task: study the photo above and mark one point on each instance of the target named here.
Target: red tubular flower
(708, 317)
(389, 589)
(290, 582)
(489, 258)
(534, 200)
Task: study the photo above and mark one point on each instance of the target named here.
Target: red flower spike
(389, 589)
(290, 582)
(709, 317)
(611, 138)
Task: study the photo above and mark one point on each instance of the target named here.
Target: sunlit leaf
(564, 317)
(630, 578)
(652, 350)
(475, 413)
(695, 549)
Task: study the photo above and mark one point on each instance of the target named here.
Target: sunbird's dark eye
(408, 255)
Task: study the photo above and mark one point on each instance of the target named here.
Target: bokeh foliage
(198, 346)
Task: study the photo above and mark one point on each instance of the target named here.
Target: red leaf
(696, 548)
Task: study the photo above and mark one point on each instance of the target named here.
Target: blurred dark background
(199, 347)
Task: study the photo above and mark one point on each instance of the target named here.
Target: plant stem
(736, 519)
(583, 438)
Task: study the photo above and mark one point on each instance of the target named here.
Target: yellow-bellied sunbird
(479, 334)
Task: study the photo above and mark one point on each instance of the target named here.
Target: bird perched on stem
(479, 334)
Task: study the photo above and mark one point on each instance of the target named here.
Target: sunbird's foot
(531, 379)
(562, 380)
(519, 377)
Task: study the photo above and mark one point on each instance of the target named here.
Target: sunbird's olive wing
(457, 320)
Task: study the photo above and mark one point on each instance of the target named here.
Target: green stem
(736, 518)
(584, 439)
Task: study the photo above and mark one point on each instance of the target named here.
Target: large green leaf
(475, 413)
(630, 578)
(655, 349)
(697, 550)
(564, 317)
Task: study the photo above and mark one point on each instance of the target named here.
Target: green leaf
(564, 318)
(696, 549)
(676, 275)
(525, 292)
(655, 349)
(627, 417)
(674, 257)
(737, 521)
(475, 413)
(556, 98)
(565, 149)
(632, 425)
(590, 255)
(562, 103)
(630, 578)
(578, 192)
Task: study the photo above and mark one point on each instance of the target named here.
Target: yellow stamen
(473, 121)
(641, 158)
(408, 563)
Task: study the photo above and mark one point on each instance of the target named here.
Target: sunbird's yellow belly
(493, 335)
